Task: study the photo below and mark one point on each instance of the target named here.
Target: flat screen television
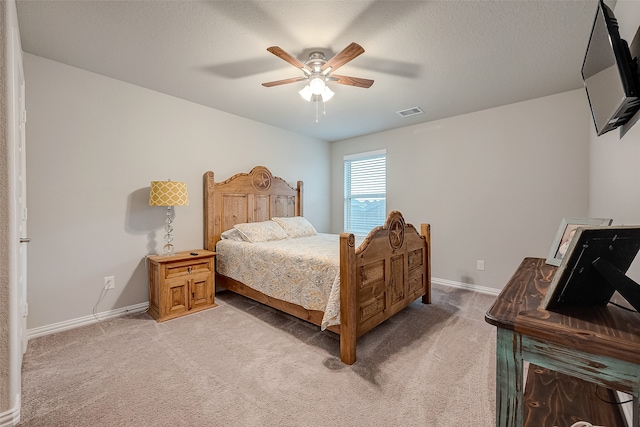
(610, 74)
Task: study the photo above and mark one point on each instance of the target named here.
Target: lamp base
(168, 249)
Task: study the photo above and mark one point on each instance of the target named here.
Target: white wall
(493, 184)
(94, 144)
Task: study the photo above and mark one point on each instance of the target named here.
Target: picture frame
(565, 233)
(594, 268)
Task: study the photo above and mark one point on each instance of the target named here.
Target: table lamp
(169, 194)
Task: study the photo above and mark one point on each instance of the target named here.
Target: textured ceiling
(446, 57)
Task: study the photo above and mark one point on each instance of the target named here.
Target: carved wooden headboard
(246, 197)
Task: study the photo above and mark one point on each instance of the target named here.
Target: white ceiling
(446, 57)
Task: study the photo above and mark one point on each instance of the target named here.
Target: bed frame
(386, 273)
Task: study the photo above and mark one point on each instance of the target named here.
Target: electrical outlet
(109, 282)
(480, 264)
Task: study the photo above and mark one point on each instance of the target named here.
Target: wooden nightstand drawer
(180, 284)
(184, 268)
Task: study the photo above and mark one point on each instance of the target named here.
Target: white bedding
(302, 270)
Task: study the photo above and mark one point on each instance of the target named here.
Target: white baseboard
(86, 320)
(11, 417)
(467, 286)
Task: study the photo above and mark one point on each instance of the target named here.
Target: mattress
(303, 270)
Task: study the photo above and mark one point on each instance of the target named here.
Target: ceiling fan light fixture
(327, 94)
(317, 86)
(306, 93)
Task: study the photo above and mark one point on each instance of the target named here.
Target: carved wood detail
(371, 289)
(396, 279)
(371, 273)
(372, 308)
(395, 223)
(416, 259)
(261, 178)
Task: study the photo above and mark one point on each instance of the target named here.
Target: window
(365, 186)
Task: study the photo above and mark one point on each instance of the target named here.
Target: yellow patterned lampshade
(168, 193)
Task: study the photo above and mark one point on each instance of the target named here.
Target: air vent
(410, 112)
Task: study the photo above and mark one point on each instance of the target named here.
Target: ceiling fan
(318, 71)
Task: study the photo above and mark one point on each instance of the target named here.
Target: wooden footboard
(386, 273)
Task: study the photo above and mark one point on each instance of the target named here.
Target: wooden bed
(386, 273)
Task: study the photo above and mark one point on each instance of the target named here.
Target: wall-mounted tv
(610, 74)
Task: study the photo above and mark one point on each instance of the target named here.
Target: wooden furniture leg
(425, 230)
(509, 379)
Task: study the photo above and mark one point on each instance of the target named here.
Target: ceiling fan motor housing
(316, 58)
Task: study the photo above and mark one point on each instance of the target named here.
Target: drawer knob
(189, 270)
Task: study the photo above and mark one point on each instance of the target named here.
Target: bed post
(208, 216)
(299, 199)
(348, 303)
(425, 230)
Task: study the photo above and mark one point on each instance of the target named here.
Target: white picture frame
(565, 233)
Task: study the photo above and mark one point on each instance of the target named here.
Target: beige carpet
(244, 364)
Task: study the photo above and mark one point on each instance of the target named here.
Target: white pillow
(296, 226)
(264, 231)
(232, 234)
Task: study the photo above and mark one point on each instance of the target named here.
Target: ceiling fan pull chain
(316, 111)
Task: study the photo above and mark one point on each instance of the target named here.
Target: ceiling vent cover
(410, 112)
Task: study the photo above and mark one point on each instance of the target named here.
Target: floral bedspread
(303, 270)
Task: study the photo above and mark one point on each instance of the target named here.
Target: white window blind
(365, 186)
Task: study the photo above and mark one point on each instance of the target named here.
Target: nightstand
(181, 283)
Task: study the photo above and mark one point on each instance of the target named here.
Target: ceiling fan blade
(277, 51)
(351, 81)
(347, 54)
(283, 82)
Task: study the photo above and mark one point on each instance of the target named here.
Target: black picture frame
(595, 267)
